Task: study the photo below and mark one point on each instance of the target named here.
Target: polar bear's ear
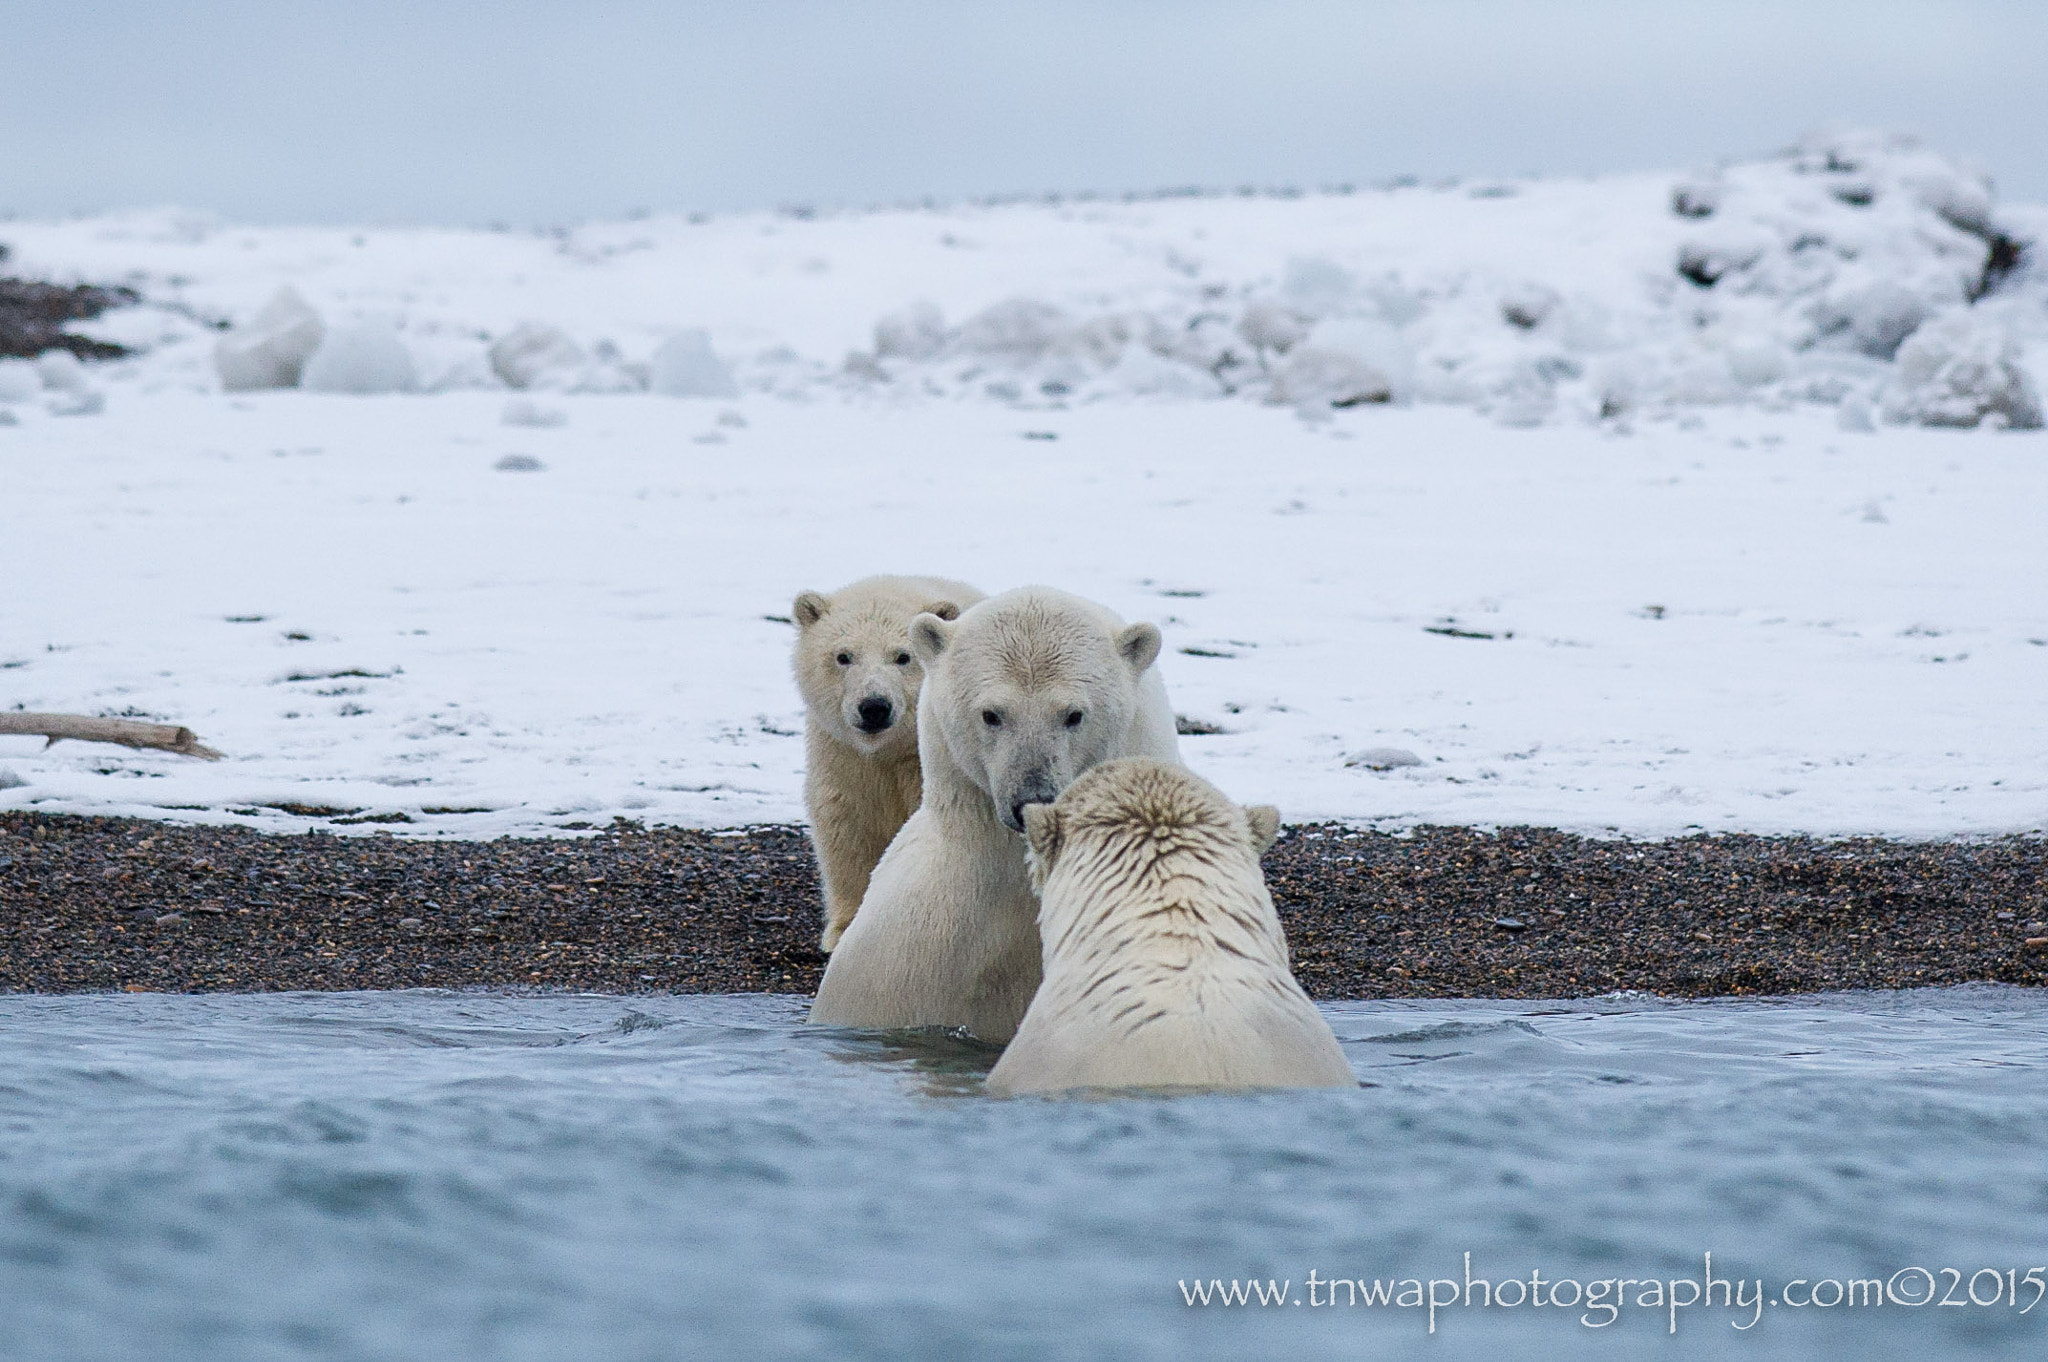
(1264, 822)
(1043, 834)
(810, 607)
(1139, 645)
(929, 635)
(945, 610)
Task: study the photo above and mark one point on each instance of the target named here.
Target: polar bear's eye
(1074, 718)
(844, 659)
(903, 659)
(991, 718)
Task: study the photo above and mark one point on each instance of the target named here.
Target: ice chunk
(1852, 414)
(364, 357)
(9, 780)
(1525, 399)
(1875, 318)
(19, 381)
(1018, 329)
(1148, 374)
(1346, 362)
(536, 355)
(685, 366)
(1269, 326)
(272, 349)
(1961, 370)
(918, 332)
(1383, 758)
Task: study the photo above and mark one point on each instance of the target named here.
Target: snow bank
(1806, 277)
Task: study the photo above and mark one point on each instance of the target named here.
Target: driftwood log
(126, 732)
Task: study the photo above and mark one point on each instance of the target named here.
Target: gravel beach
(109, 904)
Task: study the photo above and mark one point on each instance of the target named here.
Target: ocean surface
(497, 1176)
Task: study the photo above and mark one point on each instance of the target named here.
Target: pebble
(1367, 914)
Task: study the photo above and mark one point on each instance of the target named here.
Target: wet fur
(1164, 961)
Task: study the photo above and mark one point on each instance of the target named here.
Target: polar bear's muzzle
(1038, 787)
(875, 714)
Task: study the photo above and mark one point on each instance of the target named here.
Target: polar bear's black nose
(875, 714)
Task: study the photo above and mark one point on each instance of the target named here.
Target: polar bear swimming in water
(1165, 964)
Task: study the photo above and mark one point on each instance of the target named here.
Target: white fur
(947, 935)
(860, 786)
(1165, 964)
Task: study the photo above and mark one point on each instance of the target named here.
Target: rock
(2035, 943)
(918, 332)
(272, 349)
(1511, 924)
(364, 358)
(685, 366)
(519, 463)
(1528, 305)
(536, 355)
(1383, 758)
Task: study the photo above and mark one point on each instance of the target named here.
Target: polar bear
(1022, 694)
(1165, 965)
(859, 681)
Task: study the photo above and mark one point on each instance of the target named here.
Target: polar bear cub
(1022, 694)
(859, 681)
(1165, 965)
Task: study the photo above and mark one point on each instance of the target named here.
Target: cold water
(475, 1175)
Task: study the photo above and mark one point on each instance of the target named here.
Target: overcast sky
(527, 112)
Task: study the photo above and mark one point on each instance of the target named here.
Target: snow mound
(272, 350)
(685, 366)
(536, 355)
(363, 358)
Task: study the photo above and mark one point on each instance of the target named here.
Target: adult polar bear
(1022, 693)
(1165, 964)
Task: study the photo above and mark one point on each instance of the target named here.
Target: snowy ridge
(1791, 279)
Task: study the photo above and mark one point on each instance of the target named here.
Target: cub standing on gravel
(859, 680)
(1023, 693)
(1165, 965)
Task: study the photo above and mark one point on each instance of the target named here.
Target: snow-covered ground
(1620, 551)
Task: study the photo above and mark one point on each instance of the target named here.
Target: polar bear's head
(854, 663)
(1125, 817)
(1031, 688)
